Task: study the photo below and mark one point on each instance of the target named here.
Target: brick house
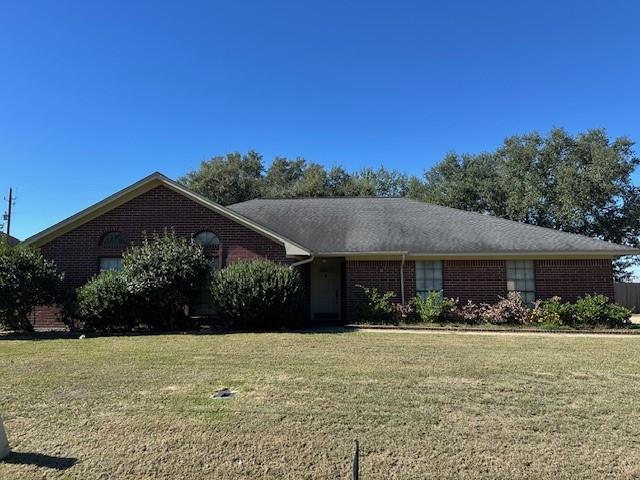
(395, 244)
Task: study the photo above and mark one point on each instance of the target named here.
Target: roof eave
(506, 254)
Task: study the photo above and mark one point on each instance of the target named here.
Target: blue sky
(95, 95)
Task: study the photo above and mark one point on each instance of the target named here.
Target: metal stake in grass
(356, 462)
(4, 442)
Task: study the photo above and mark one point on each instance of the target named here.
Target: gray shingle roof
(366, 225)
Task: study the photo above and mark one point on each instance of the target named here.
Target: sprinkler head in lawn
(223, 394)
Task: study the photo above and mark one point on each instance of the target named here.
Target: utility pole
(7, 215)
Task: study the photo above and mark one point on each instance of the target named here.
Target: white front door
(326, 274)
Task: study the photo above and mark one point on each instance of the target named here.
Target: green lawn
(422, 406)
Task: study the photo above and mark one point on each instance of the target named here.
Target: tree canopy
(579, 184)
(574, 183)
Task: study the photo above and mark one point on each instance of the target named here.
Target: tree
(579, 184)
(26, 281)
(229, 179)
(380, 182)
(282, 177)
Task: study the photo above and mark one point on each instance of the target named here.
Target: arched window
(207, 239)
(111, 239)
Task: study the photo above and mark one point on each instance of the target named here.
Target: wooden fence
(628, 295)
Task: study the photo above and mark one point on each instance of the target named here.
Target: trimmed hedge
(104, 303)
(257, 294)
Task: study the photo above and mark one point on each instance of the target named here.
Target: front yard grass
(422, 406)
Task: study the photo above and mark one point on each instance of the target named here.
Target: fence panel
(628, 295)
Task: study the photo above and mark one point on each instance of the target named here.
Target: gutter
(402, 278)
(302, 262)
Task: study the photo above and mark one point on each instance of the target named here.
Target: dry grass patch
(439, 406)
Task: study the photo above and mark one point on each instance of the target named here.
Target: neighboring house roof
(12, 240)
(365, 225)
(152, 181)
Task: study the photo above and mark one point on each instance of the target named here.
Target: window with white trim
(110, 263)
(521, 278)
(428, 277)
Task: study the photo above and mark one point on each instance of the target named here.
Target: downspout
(402, 279)
(302, 262)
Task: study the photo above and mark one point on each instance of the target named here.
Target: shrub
(256, 294)
(104, 303)
(510, 310)
(592, 310)
(433, 308)
(468, 313)
(551, 313)
(403, 313)
(27, 279)
(375, 307)
(163, 274)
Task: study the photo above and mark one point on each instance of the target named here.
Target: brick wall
(77, 252)
(481, 281)
(383, 275)
(571, 279)
(46, 318)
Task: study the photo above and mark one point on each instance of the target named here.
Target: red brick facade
(383, 275)
(77, 254)
(481, 281)
(571, 279)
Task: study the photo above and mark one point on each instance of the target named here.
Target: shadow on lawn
(57, 335)
(40, 460)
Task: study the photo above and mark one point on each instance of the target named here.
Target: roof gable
(142, 186)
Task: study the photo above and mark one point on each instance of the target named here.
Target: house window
(202, 303)
(428, 277)
(207, 239)
(112, 239)
(110, 263)
(521, 278)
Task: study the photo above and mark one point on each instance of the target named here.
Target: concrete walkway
(493, 332)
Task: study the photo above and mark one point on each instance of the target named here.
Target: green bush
(257, 294)
(551, 313)
(593, 310)
(163, 274)
(433, 308)
(104, 303)
(375, 307)
(510, 310)
(27, 279)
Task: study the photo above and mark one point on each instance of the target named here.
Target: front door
(326, 275)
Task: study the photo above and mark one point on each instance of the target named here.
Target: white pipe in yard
(402, 279)
(4, 442)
